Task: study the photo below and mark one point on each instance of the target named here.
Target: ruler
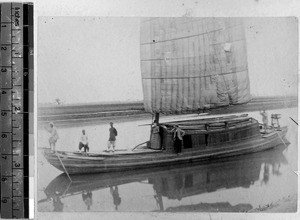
(15, 55)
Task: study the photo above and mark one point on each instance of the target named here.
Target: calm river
(236, 184)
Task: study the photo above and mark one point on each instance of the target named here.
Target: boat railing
(209, 126)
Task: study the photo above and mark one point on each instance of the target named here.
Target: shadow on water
(175, 182)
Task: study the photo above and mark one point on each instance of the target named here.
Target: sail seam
(178, 58)
(184, 77)
(190, 36)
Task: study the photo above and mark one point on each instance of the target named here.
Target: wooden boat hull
(242, 171)
(81, 164)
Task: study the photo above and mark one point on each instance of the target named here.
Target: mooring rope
(281, 139)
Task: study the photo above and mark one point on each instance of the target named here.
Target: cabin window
(238, 134)
(219, 137)
(198, 140)
(188, 182)
(224, 137)
(187, 141)
(206, 139)
(207, 177)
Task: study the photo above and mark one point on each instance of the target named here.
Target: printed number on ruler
(12, 173)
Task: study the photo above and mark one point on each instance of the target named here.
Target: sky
(88, 59)
(96, 59)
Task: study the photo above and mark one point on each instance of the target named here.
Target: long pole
(64, 167)
(294, 121)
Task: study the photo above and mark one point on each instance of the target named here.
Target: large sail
(193, 63)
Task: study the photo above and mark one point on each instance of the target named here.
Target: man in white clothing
(84, 142)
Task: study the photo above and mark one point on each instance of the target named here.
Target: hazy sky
(96, 59)
(88, 59)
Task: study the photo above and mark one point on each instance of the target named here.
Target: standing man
(178, 138)
(53, 135)
(112, 137)
(265, 119)
(84, 142)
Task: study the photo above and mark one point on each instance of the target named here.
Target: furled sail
(193, 63)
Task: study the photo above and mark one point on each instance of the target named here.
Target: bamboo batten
(193, 63)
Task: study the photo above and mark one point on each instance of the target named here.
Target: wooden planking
(161, 156)
(125, 166)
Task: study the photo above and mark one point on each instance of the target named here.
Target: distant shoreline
(124, 111)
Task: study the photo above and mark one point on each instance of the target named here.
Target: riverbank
(285, 205)
(82, 113)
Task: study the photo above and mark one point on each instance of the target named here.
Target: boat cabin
(204, 134)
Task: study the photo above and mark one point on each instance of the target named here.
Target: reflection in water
(266, 171)
(115, 194)
(275, 169)
(265, 179)
(87, 198)
(57, 204)
(175, 183)
(159, 201)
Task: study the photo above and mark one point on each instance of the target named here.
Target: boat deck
(118, 152)
(144, 150)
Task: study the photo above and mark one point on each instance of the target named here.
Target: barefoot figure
(53, 135)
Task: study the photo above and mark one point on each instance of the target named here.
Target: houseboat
(187, 65)
(203, 140)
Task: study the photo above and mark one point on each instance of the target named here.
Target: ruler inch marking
(12, 212)
(16, 22)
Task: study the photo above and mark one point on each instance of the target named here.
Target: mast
(156, 117)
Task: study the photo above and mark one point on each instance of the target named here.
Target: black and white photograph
(161, 109)
(167, 114)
